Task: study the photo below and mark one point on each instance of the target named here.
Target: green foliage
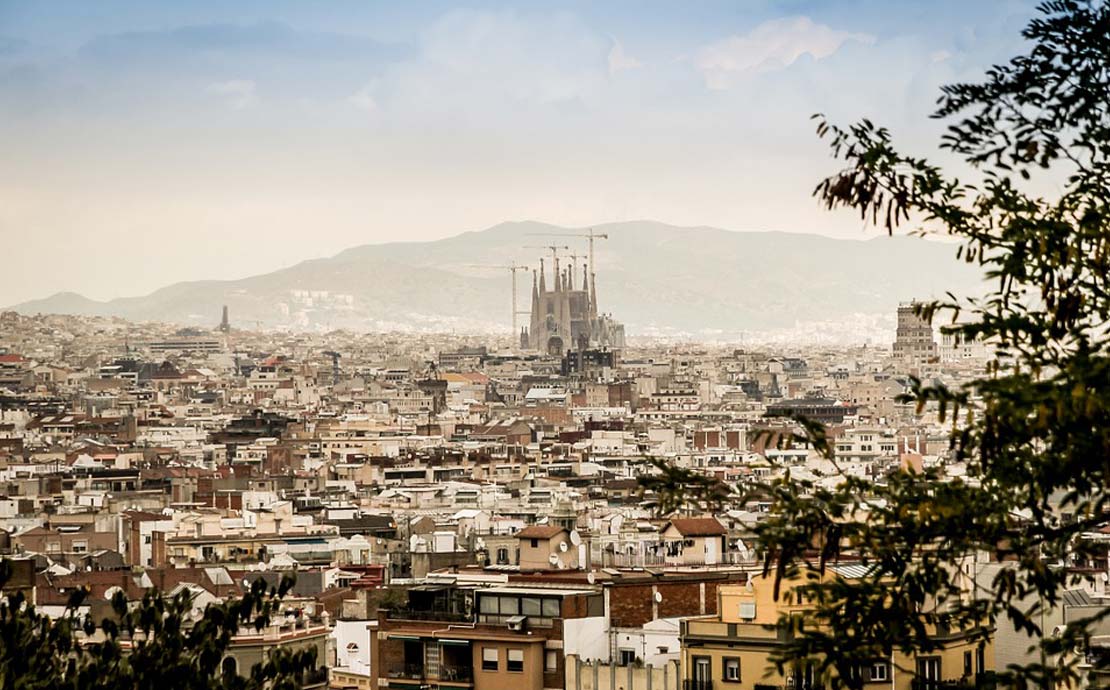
(681, 490)
(155, 643)
(1034, 429)
(392, 598)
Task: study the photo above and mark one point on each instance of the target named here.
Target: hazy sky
(150, 142)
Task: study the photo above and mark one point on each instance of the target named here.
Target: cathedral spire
(543, 280)
(558, 278)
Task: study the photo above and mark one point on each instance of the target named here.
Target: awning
(457, 643)
(393, 636)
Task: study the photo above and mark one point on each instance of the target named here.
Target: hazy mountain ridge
(654, 277)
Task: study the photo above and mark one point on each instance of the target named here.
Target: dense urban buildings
(459, 511)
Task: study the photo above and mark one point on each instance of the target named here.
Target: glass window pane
(531, 606)
(510, 606)
(551, 608)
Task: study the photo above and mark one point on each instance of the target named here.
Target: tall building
(914, 338)
(566, 317)
(225, 323)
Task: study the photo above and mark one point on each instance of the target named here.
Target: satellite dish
(658, 597)
(563, 546)
(575, 537)
(591, 578)
(553, 558)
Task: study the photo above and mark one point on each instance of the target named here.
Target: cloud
(773, 45)
(620, 60)
(478, 67)
(238, 93)
(363, 99)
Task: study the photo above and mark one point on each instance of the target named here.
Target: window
(550, 661)
(487, 604)
(928, 668)
(702, 671)
(535, 543)
(80, 546)
(530, 606)
(503, 556)
(550, 608)
(732, 669)
(747, 610)
(628, 657)
(967, 664)
(489, 658)
(879, 672)
(516, 660)
(980, 659)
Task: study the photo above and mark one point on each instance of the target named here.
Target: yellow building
(733, 650)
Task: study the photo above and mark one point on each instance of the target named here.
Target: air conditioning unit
(517, 623)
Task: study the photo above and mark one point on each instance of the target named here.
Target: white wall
(587, 637)
(346, 633)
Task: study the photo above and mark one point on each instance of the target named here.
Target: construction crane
(574, 257)
(589, 235)
(553, 247)
(512, 269)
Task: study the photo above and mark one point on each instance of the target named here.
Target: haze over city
(149, 143)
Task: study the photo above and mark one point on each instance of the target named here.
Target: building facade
(566, 317)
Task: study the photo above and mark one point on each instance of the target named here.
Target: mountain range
(654, 277)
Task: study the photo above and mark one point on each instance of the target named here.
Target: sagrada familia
(565, 318)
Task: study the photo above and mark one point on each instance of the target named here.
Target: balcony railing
(417, 615)
(456, 674)
(405, 671)
(697, 685)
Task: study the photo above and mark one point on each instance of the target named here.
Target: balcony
(456, 674)
(399, 671)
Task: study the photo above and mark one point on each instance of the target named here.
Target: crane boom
(589, 235)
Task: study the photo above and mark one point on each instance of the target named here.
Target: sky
(148, 142)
